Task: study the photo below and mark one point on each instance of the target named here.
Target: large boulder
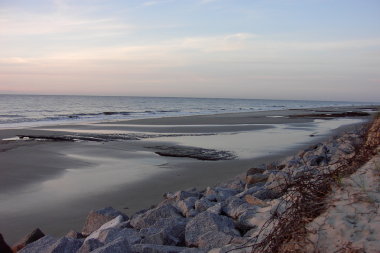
(186, 205)
(119, 245)
(201, 229)
(112, 234)
(234, 207)
(149, 217)
(48, 244)
(219, 194)
(153, 248)
(31, 237)
(4, 248)
(166, 231)
(96, 219)
(90, 245)
(74, 234)
(278, 181)
(203, 204)
(110, 224)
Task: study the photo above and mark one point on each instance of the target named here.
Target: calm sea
(33, 110)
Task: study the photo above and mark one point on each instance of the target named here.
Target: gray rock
(236, 183)
(119, 245)
(244, 220)
(96, 219)
(278, 181)
(214, 239)
(317, 160)
(40, 245)
(265, 193)
(152, 248)
(234, 207)
(193, 250)
(111, 234)
(192, 213)
(250, 191)
(203, 204)
(232, 249)
(73, 234)
(32, 237)
(111, 224)
(208, 223)
(256, 178)
(181, 195)
(48, 244)
(255, 170)
(220, 193)
(216, 209)
(148, 218)
(166, 231)
(186, 205)
(90, 245)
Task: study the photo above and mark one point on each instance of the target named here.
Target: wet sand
(53, 185)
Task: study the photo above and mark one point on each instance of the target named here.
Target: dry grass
(304, 199)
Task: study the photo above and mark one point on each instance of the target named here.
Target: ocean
(36, 110)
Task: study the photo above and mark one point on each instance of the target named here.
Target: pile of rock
(217, 219)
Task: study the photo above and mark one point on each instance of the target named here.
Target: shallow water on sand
(248, 144)
(121, 176)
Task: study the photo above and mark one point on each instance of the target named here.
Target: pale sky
(273, 49)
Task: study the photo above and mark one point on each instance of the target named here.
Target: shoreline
(184, 177)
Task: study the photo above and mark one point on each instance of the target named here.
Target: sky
(265, 49)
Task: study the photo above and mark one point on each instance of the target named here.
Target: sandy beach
(53, 184)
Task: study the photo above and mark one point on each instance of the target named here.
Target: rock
(111, 224)
(244, 222)
(256, 178)
(220, 193)
(119, 245)
(166, 231)
(192, 213)
(216, 209)
(110, 234)
(186, 205)
(203, 204)
(199, 231)
(4, 248)
(148, 218)
(181, 195)
(278, 181)
(255, 170)
(40, 245)
(265, 194)
(75, 235)
(96, 219)
(193, 250)
(232, 248)
(213, 239)
(317, 160)
(152, 248)
(234, 207)
(32, 237)
(250, 190)
(254, 201)
(90, 245)
(235, 184)
(48, 244)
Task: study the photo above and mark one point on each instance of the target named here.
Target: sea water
(37, 110)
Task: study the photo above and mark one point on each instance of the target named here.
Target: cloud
(25, 24)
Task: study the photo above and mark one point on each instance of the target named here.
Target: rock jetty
(232, 216)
